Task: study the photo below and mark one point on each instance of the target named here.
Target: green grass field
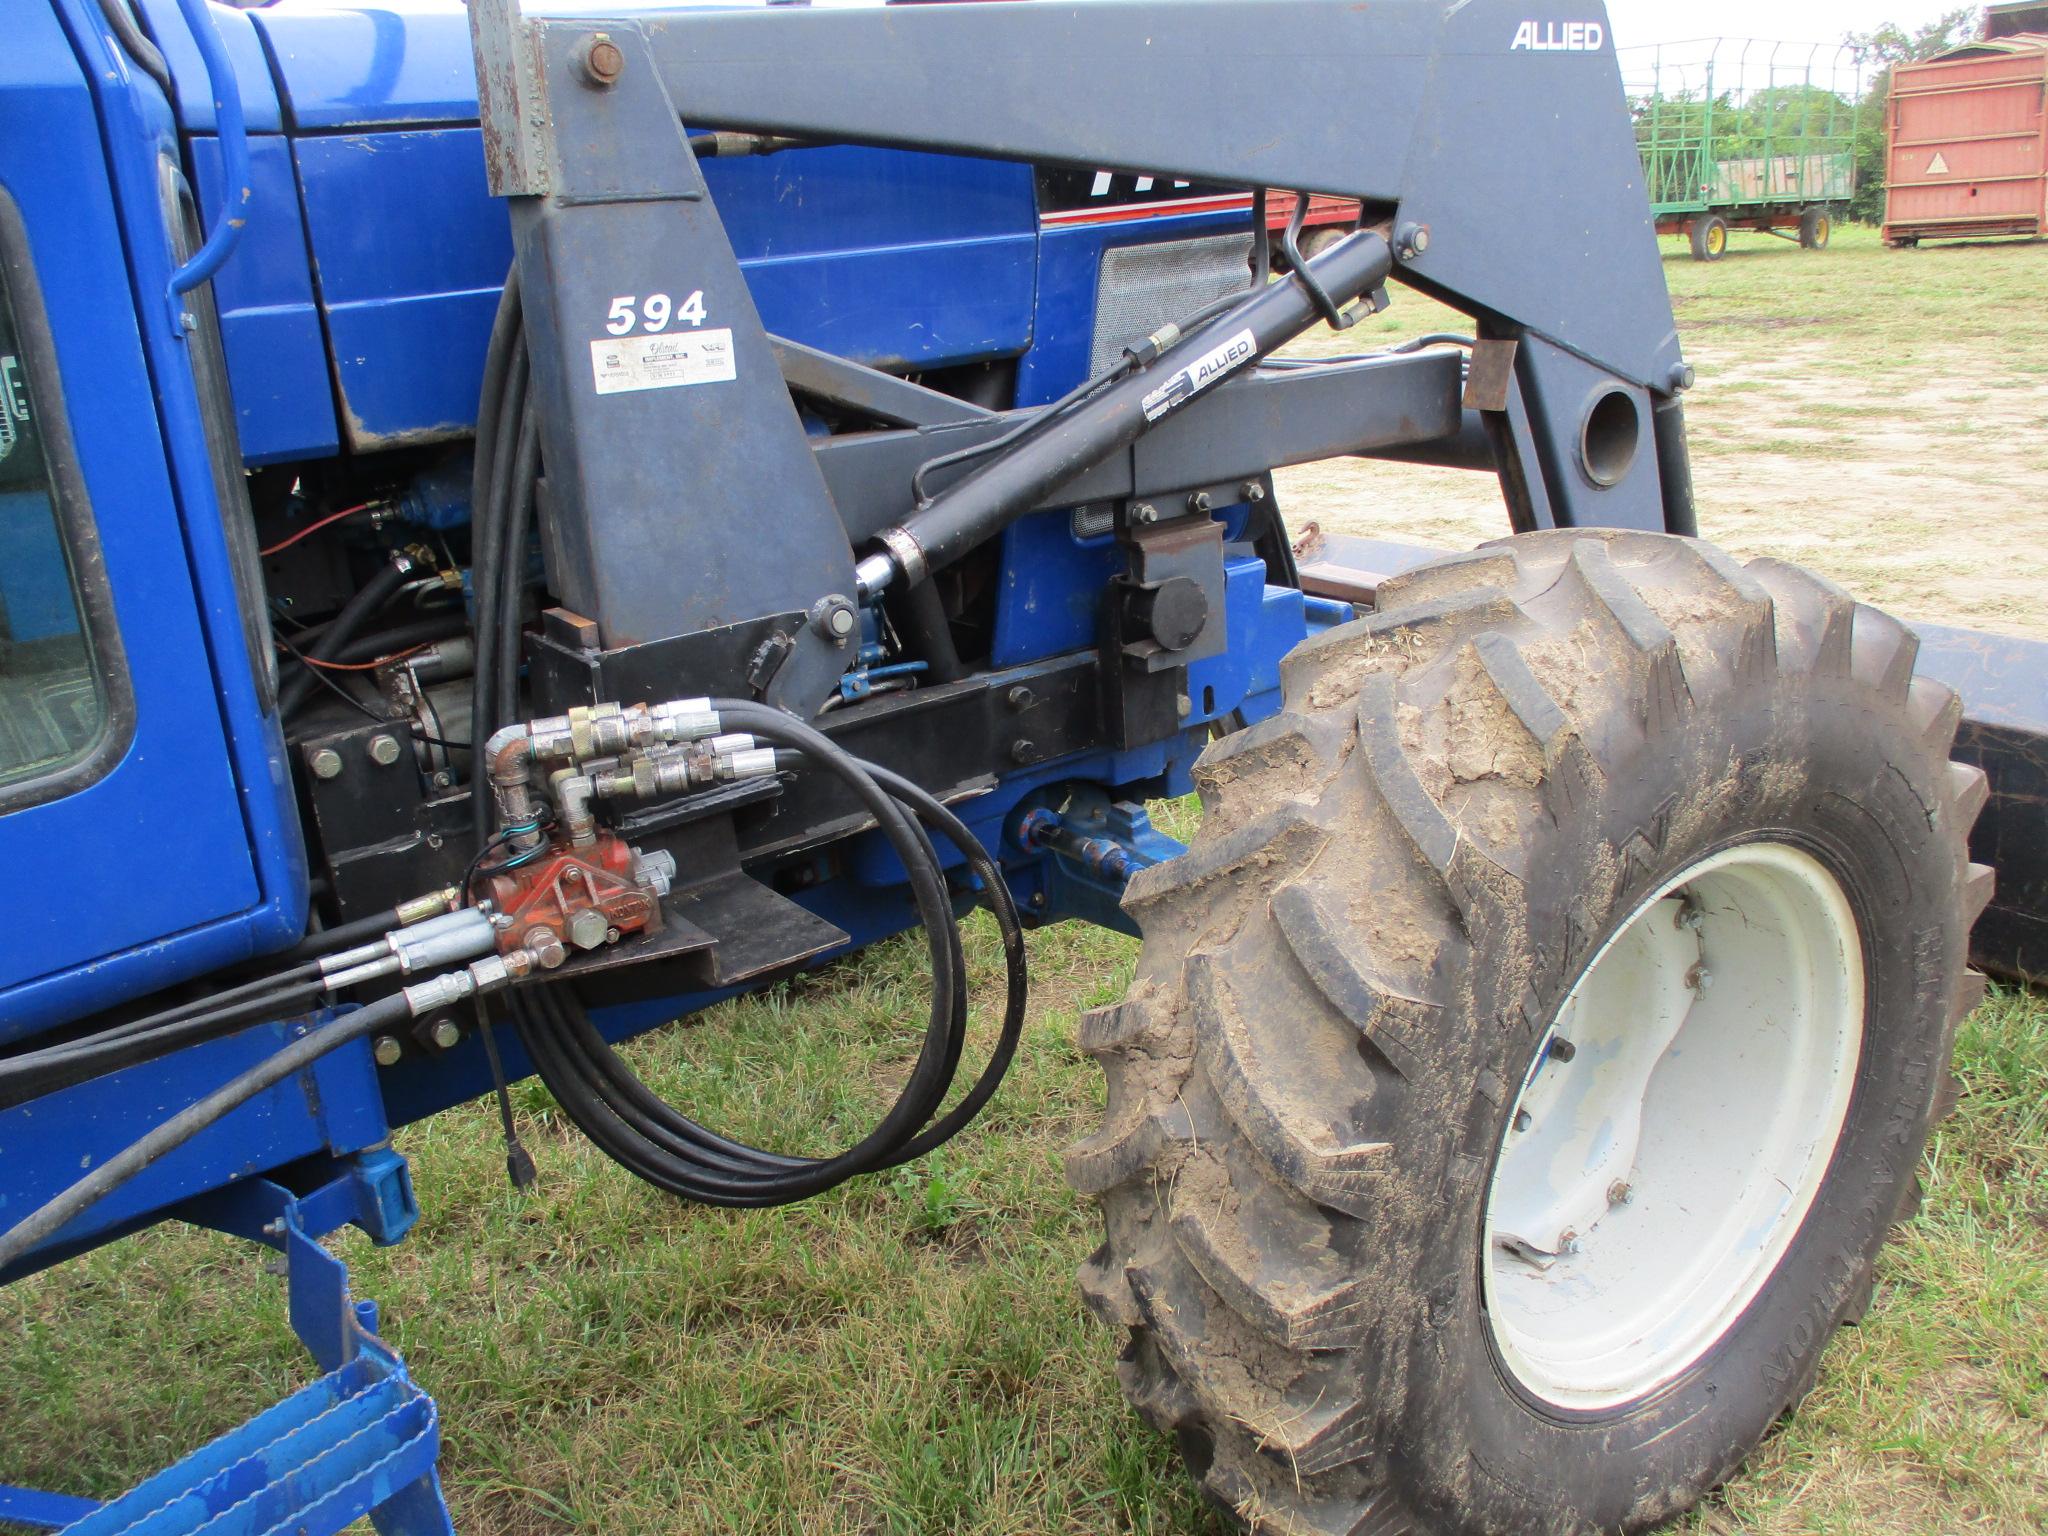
(909, 1355)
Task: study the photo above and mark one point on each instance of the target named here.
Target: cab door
(146, 827)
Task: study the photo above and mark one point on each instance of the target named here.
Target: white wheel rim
(1659, 1162)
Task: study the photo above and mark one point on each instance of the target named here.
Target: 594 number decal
(654, 313)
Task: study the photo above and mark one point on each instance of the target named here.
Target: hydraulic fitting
(483, 976)
(449, 938)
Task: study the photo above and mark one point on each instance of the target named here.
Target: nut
(1144, 512)
(325, 763)
(546, 945)
(587, 928)
(383, 749)
(601, 60)
(1198, 501)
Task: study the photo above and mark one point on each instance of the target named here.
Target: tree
(1887, 47)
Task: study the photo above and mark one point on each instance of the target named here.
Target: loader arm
(1462, 128)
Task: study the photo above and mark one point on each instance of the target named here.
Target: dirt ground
(1879, 416)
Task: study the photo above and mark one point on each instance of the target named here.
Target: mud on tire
(1344, 982)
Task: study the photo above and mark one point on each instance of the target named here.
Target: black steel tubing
(1010, 484)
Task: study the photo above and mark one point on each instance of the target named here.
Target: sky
(1817, 21)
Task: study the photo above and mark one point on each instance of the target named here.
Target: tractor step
(323, 1458)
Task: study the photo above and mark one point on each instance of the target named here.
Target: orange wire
(361, 666)
(312, 528)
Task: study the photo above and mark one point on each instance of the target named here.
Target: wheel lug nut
(1562, 1049)
(1521, 1119)
(1699, 978)
(1620, 1192)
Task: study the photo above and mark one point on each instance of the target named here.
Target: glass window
(53, 703)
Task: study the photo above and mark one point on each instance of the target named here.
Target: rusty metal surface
(1968, 143)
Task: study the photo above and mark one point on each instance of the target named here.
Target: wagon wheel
(1709, 237)
(1816, 226)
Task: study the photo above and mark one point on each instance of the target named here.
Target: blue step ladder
(361, 1440)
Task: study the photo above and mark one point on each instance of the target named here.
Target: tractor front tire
(1588, 894)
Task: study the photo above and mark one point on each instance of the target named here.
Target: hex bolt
(1568, 1241)
(1144, 512)
(1198, 501)
(546, 945)
(588, 928)
(1022, 749)
(325, 763)
(1037, 902)
(383, 750)
(446, 1034)
(1620, 1192)
(1184, 706)
(601, 60)
(1020, 698)
(1410, 241)
(387, 1050)
(1562, 1049)
(1253, 491)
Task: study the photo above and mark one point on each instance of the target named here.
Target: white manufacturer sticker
(1210, 368)
(1559, 37)
(621, 364)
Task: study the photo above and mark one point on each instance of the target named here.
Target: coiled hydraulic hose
(595, 1087)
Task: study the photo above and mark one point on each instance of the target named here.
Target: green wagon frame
(1746, 135)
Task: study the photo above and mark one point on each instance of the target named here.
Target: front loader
(523, 526)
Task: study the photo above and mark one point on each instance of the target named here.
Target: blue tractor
(517, 526)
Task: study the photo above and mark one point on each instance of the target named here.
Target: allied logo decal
(1559, 37)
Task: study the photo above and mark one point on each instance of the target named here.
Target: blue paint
(201, 782)
(269, 322)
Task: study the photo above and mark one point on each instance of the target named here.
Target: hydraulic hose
(355, 613)
(124, 1165)
(594, 1085)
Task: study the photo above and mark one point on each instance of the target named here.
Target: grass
(908, 1355)
(1875, 414)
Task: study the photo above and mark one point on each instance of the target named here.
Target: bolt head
(1620, 1192)
(1253, 492)
(1144, 512)
(446, 1034)
(602, 61)
(387, 1050)
(1198, 501)
(384, 750)
(588, 928)
(325, 763)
